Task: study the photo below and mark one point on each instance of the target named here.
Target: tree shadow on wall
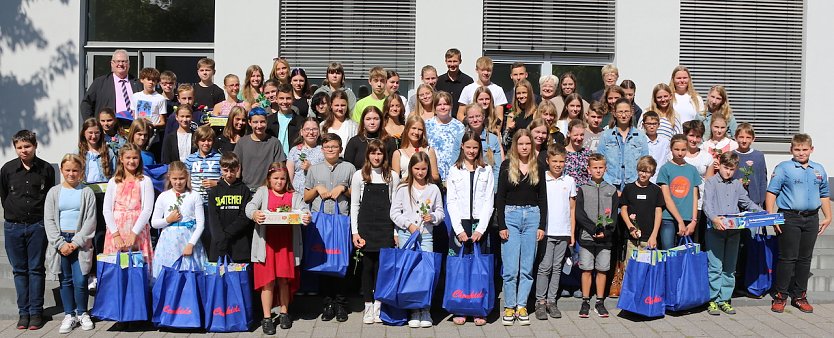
(20, 95)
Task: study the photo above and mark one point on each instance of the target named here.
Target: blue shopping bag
(470, 288)
(392, 316)
(407, 277)
(228, 298)
(127, 298)
(178, 297)
(644, 286)
(687, 277)
(327, 243)
(157, 174)
(762, 250)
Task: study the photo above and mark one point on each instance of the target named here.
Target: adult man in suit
(112, 90)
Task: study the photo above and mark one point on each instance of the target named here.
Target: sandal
(459, 320)
(480, 321)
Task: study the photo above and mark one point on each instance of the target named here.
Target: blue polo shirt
(797, 187)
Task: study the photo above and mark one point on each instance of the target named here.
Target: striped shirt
(203, 168)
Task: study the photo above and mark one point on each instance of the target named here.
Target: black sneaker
(268, 326)
(600, 309)
(584, 310)
(553, 310)
(341, 313)
(329, 313)
(35, 322)
(541, 311)
(23, 322)
(284, 321)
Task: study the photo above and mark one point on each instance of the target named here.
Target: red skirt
(280, 260)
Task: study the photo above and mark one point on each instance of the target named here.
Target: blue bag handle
(476, 251)
(411, 243)
(129, 254)
(178, 262)
(335, 211)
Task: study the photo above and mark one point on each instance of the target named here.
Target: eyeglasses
(650, 123)
(119, 61)
(331, 147)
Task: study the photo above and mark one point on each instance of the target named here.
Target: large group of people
(531, 177)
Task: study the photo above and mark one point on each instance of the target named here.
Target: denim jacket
(621, 157)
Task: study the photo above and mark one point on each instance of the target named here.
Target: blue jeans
(73, 282)
(518, 252)
(424, 240)
(722, 252)
(668, 232)
(26, 248)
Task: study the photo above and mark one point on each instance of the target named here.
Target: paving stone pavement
(755, 321)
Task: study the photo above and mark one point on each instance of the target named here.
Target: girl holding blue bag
(417, 206)
(178, 212)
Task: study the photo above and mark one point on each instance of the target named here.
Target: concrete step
(8, 300)
(821, 280)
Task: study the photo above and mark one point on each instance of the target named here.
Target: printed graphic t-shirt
(680, 179)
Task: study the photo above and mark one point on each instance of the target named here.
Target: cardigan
(259, 202)
(83, 237)
(147, 193)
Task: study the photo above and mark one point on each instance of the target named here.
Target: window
(358, 34)
(150, 20)
(754, 48)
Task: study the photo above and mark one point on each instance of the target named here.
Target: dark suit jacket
(102, 93)
(170, 149)
(293, 129)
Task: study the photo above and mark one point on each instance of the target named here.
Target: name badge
(641, 197)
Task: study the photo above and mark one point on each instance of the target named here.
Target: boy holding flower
(642, 207)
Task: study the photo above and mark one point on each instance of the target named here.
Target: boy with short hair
(185, 97)
(376, 78)
(204, 164)
(231, 230)
(594, 131)
(328, 182)
(453, 80)
(206, 92)
(168, 83)
(642, 207)
(257, 150)
(483, 66)
(24, 182)
(658, 146)
(149, 104)
(285, 124)
(799, 189)
(723, 195)
(751, 164)
(428, 75)
(596, 201)
(177, 145)
(561, 226)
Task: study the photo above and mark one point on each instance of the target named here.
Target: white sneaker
(425, 318)
(93, 283)
(377, 310)
(368, 313)
(414, 321)
(68, 324)
(86, 322)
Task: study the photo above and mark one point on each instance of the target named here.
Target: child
(612, 94)
(417, 206)
(326, 185)
(257, 150)
(444, 133)
(280, 71)
(336, 82)
(337, 122)
(561, 226)
(751, 163)
(658, 146)
(428, 79)
(595, 227)
(492, 149)
(128, 204)
(320, 106)
(167, 82)
(139, 135)
(670, 121)
(546, 110)
(232, 85)
(414, 141)
(573, 110)
(231, 230)
(723, 195)
(284, 123)
(718, 104)
(70, 224)
(541, 139)
(425, 106)
(679, 182)
(594, 131)
(704, 162)
(641, 208)
(576, 158)
(185, 97)
(179, 213)
(799, 189)
(300, 92)
(521, 202)
(24, 183)
(206, 93)
(373, 188)
(234, 130)
(100, 162)
(524, 108)
(370, 128)
(622, 145)
(305, 152)
(470, 185)
(719, 142)
(251, 92)
(276, 251)
(393, 118)
(629, 88)
(204, 166)
(112, 134)
(178, 145)
(483, 66)
(376, 79)
(148, 104)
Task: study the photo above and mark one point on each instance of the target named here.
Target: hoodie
(231, 230)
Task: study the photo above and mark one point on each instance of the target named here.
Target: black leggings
(796, 248)
(370, 269)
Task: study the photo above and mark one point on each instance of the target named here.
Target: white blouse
(191, 209)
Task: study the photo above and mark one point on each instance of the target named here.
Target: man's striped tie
(125, 94)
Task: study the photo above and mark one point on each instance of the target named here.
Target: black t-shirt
(208, 96)
(642, 202)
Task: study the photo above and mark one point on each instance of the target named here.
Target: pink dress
(126, 209)
(226, 107)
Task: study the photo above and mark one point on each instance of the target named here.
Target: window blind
(754, 48)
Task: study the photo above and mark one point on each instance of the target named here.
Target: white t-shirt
(468, 93)
(659, 150)
(345, 132)
(150, 107)
(559, 192)
(184, 145)
(685, 109)
(701, 162)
